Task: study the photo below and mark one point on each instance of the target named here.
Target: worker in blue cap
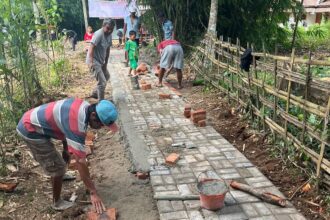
(65, 120)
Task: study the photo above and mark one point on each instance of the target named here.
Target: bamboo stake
(238, 68)
(263, 91)
(288, 95)
(256, 77)
(275, 89)
(324, 137)
(308, 79)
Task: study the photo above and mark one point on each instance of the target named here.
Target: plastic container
(212, 192)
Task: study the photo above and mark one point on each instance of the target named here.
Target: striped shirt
(62, 120)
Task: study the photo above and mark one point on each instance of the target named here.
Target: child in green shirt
(133, 51)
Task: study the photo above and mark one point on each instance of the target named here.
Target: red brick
(8, 187)
(202, 123)
(142, 176)
(164, 96)
(110, 214)
(197, 118)
(90, 136)
(146, 86)
(142, 68)
(198, 112)
(187, 113)
(172, 159)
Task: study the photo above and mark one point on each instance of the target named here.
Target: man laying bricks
(171, 57)
(65, 120)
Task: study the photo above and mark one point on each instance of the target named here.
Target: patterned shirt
(62, 120)
(168, 30)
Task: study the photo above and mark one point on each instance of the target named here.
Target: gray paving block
(192, 204)
(174, 215)
(164, 206)
(177, 205)
(195, 215)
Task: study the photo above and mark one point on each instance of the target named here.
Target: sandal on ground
(62, 205)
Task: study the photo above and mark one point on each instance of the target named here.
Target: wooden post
(238, 55)
(227, 60)
(276, 90)
(263, 90)
(85, 13)
(324, 138)
(256, 77)
(250, 90)
(307, 88)
(288, 95)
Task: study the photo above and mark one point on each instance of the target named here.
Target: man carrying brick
(65, 120)
(98, 56)
(171, 57)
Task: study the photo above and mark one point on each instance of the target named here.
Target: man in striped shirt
(65, 120)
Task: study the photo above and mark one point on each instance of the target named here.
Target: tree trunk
(212, 28)
(298, 18)
(85, 13)
(36, 19)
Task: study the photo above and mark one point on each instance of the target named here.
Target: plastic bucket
(212, 193)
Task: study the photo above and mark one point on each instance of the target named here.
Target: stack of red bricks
(198, 116)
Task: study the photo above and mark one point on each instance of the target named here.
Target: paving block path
(158, 123)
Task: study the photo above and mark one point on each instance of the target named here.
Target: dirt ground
(227, 120)
(109, 166)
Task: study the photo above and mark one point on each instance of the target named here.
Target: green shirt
(133, 50)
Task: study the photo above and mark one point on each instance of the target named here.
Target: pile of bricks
(198, 116)
(142, 69)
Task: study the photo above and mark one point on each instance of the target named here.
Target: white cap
(132, 10)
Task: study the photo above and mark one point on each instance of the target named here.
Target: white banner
(110, 9)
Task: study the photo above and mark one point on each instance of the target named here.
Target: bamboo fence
(274, 86)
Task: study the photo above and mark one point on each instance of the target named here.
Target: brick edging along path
(159, 123)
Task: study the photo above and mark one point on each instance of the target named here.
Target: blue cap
(106, 112)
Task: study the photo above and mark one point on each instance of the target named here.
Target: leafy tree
(253, 21)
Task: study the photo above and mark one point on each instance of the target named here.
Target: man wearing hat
(65, 120)
(131, 23)
(98, 56)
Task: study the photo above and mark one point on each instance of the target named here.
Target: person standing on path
(98, 56)
(167, 27)
(88, 37)
(133, 50)
(120, 34)
(65, 120)
(171, 57)
(131, 23)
